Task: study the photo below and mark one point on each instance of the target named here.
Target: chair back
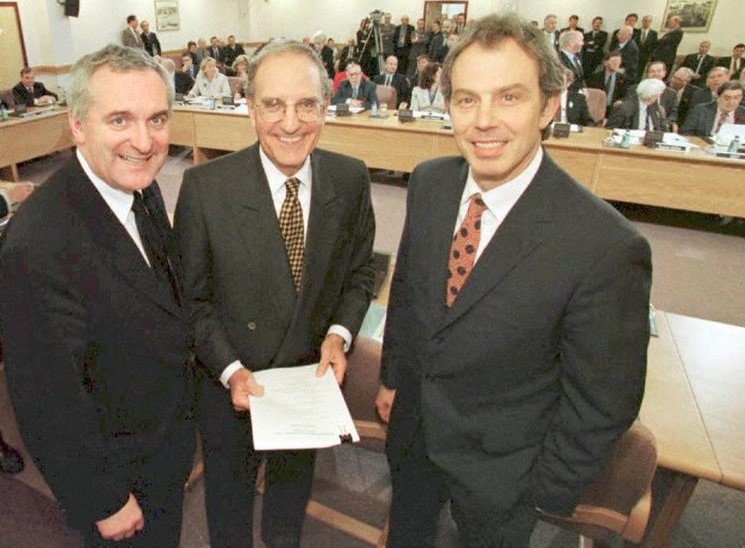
(236, 84)
(387, 95)
(596, 105)
(6, 95)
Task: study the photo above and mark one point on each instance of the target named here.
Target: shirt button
(251, 326)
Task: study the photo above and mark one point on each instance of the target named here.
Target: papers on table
(670, 141)
(429, 115)
(354, 110)
(299, 411)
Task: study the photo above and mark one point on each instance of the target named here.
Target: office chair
(360, 388)
(387, 96)
(619, 502)
(596, 105)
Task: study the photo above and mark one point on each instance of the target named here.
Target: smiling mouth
(290, 140)
(489, 145)
(136, 160)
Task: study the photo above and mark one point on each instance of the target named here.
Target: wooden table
(694, 405)
(24, 139)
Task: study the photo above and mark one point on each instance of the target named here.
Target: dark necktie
(718, 124)
(463, 249)
(291, 226)
(610, 85)
(154, 243)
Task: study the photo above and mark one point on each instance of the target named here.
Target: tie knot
(477, 206)
(292, 185)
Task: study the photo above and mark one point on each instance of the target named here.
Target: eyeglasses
(274, 110)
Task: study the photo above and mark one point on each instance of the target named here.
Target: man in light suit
(705, 119)
(355, 91)
(507, 382)
(130, 37)
(256, 306)
(97, 344)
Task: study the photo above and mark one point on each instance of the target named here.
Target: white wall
(54, 40)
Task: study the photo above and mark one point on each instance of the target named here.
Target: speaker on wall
(72, 7)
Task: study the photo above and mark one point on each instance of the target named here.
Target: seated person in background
(421, 61)
(706, 119)
(394, 79)
(209, 81)
(239, 69)
(30, 92)
(641, 111)
(354, 91)
(700, 63)
(231, 51)
(734, 63)
(12, 194)
(715, 78)
(427, 95)
(668, 99)
(609, 80)
(684, 90)
(573, 106)
(184, 78)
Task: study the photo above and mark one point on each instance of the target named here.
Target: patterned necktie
(463, 249)
(718, 124)
(291, 225)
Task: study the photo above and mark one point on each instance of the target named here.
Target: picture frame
(696, 14)
(167, 15)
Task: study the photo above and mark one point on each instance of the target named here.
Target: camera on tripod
(372, 44)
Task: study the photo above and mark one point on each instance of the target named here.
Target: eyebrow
(499, 90)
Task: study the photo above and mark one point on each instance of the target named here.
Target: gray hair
(118, 59)
(319, 36)
(288, 48)
(651, 87)
(493, 30)
(569, 37)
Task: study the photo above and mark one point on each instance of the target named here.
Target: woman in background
(426, 95)
(209, 81)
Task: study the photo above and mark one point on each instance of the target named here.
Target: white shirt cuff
(228, 372)
(343, 332)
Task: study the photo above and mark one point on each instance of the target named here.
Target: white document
(299, 411)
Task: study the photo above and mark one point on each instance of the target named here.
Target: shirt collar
(277, 179)
(119, 201)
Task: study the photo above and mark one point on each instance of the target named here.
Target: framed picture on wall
(166, 14)
(696, 14)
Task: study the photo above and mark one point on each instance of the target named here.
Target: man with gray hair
(571, 42)
(629, 53)
(97, 342)
(641, 111)
(680, 82)
(320, 43)
(515, 346)
(277, 247)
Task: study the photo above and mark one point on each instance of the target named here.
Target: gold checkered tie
(291, 225)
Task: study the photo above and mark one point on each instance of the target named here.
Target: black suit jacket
(183, 82)
(400, 83)
(592, 51)
(626, 115)
(522, 387)
(726, 62)
(98, 353)
(22, 95)
(630, 60)
(684, 105)
(701, 118)
(577, 110)
(408, 31)
(236, 272)
(691, 61)
(437, 47)
(366, 93)
(667, 47)
(579, 73)
(230, 53)
(151, 43)
(597, 80)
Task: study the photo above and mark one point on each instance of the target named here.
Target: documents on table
(299, 410)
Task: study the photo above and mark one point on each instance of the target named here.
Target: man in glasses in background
(277, 246)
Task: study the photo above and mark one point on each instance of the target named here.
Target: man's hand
(357, 103)
(124, 523)
(242, 383)
(332, 354)
(384, 402)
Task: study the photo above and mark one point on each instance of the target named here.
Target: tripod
(375, 49)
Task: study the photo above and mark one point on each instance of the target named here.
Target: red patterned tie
(291, 225)
(463, 250)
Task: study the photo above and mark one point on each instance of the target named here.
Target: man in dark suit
(700, 63)
(629, 53)
(706, 119)
(642, 110)
(612, 82)
(573, 108)
(391, 77)
(684, 90)
(184, 78)
(231, 51)
(325, 52)
(150, 40)
(592, 51)
(735, 62)
(30, 92)
(571, 42)
(715, 78)
(647, 42)
(667, 45)
(572, 24)
(402, 43)
(629, 21)
(667, 99)
(515, 347)
(437, 48)
(97, 344)
(354, 91)
(264, 298)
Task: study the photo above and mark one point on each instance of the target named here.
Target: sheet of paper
(299, 411)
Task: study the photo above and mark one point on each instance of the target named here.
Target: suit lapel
(521, 232)
(112, 240)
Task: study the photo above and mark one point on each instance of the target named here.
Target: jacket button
(251, 326)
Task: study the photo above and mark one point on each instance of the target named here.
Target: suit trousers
(420, 490)
(158, 486)
(230, 467)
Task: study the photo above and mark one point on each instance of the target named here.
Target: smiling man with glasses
(277, 246)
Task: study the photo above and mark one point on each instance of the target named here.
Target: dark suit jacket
(22, 95)
(230, 53)
(400, 83)
(592, 51)
(684, 105)
(408, 30)
(667, 47)
(668, 99)
(577, 110)
(726, 61)
(151, 43)
(327, 56)
(630, 60)
(645, 50)
(626, 115)
(236, 271)
(366, 92)
(614, 38)
(522, 387)
(437, 48)
(597, 80)
(691, 61)
(98, 353)
(701, 96)
(579, 73)
(700, 120)
(183, 82)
